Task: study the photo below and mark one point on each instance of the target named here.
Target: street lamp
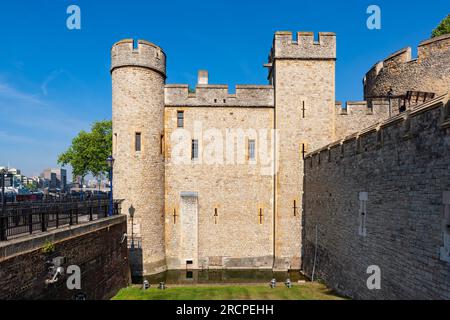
(110, 161)
(3, 172)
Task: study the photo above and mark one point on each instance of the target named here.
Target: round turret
(430, 72)
(138, 79)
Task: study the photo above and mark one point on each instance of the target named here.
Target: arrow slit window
(363, 197)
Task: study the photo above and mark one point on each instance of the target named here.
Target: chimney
(203, 77)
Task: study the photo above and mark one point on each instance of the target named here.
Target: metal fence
(21, 218)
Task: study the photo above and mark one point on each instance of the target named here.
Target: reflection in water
(220, 276)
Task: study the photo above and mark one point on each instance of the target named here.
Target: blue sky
(55, 82)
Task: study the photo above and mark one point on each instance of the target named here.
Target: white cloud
(52, 76)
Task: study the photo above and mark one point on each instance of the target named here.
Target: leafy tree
(89, 151)
(442, 28)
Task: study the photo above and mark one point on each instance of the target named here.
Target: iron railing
(21, 218)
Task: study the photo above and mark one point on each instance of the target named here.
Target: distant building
(55, 179)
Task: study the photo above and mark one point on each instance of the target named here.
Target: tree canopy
(89, 150)
(442, 28)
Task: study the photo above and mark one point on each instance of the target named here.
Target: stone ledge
(11, 248)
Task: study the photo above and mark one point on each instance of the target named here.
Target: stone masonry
(400, 169)
(95, 247)
(225, 209)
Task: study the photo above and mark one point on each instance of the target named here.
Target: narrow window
(303, 109)
(180, 119)
(304, 151)
(295, 208)
(261, 216)
(175, 216)
(137, 141)
(251, 149)
(162, 144)
(194, 149)
(216, 215)
(363, 197)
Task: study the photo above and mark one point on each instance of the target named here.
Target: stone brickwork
(358, 115)
(247, 214)
(303, 74)
(251, 96)
(138, 78)
(430, 72)
(234, 223)
(403, 165)
(236, 189)
(96, 247)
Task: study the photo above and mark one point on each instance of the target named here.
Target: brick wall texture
(404, 168)
(100, 254)
(247, 214)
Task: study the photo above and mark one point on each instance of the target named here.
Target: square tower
(303, 74)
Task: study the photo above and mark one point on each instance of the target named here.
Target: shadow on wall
(134, 247)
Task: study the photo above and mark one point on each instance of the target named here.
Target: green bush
(48, 247)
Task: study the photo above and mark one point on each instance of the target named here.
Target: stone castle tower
(245, 219)
(302, 72)
(138, 78)
(230, 212)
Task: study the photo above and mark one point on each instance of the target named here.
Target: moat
(220, 276)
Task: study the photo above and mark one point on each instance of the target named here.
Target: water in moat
(220, 276)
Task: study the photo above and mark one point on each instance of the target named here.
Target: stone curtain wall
(403, 165)
(358, 115)
(95, 247)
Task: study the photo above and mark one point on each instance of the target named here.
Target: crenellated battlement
(128, 53)
(305, 47)
(355, 115)
(401, 126)
(178, 95)
(429, 72)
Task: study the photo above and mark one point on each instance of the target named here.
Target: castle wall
(251, 96)
(430, 72)
(237, 187)
(138, 77)
(96, 247)
(358, 115)
(304, 78)
(404, 168)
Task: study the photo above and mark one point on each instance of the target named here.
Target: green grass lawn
(306, 291)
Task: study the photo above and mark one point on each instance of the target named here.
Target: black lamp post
(2, 216)
(111, 204)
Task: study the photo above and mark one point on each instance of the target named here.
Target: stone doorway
(189, 230)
